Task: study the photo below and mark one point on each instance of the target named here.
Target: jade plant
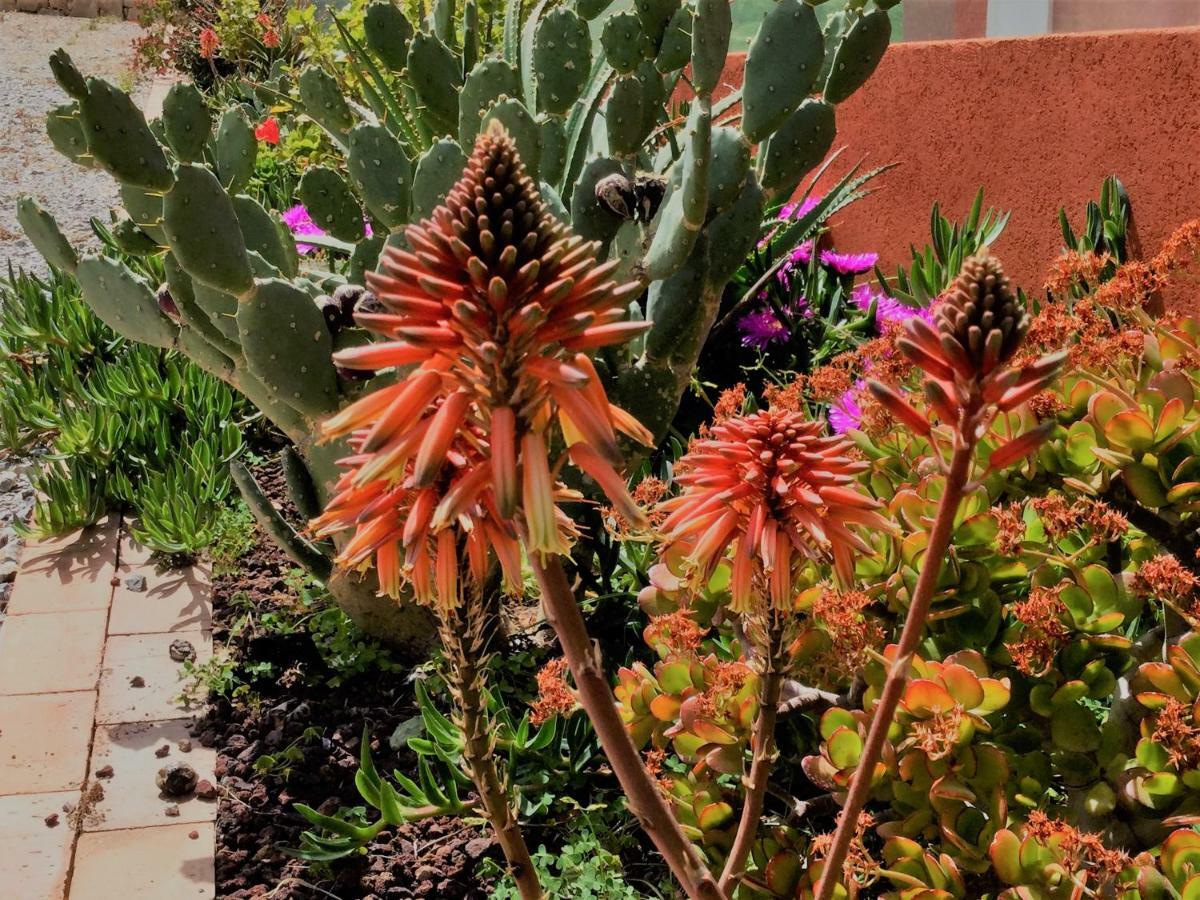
(675, 200)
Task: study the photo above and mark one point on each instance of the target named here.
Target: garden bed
(292, 719)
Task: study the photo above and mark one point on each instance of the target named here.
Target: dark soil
(436, 858)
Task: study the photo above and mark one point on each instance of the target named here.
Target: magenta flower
(301, 224)
(849, 263)
(887, 309)
(845, 413)
(762, 328)
(803, 253)
(798, 210)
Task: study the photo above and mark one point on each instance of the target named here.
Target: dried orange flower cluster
(1166, 578)
(852, 635)
(938, 735)
(1010, 528)
(1175, 730)
(555, 697)
(1074, 270)
(860, 865)
(1042, 614)
(1080, 849)
(677, 632)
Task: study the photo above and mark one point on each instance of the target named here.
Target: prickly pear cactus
(590, 92)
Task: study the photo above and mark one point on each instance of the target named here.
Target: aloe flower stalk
(494, 310)
(977, 328)
(775, 492)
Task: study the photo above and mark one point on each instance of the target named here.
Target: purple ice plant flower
(849, 263)
(845, 413)
(762, 328)
(887, 308)
(300, 222)
(798, 210)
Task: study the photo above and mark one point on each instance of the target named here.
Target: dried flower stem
(910, 637)
(595, 695)
(465, 638)
(762, 743)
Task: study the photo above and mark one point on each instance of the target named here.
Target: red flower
(263, 19)
(270, 38)
(208, 43)
(268, 131)
(496, 305)
(776, 490)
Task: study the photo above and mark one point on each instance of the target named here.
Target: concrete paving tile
(98, 541)
(131, 796)
(145, 656)
(133, 554)
(57, 578)
(178, 600)
(161, 863)
(44, 741)
(34, 857)
(51, 653)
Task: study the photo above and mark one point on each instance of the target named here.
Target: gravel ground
(16, 503)
(28, 164)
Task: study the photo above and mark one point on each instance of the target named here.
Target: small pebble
(194, 835)
(176, 779)
(136, 583)
(185, 746)
(104, 772)
(171, 811)
(206, 790)
(51, 820)
(162, 751)
(115, 581)
(137, 681)
(8, 571)
(181, 651)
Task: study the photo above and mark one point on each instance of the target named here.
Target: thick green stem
(762, 744)
(645, 800)
(268, 518)
(910, 638)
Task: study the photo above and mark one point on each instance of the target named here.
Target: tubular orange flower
(494, 303)
(774, 489)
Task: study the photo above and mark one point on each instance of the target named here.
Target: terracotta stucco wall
(1038, 123)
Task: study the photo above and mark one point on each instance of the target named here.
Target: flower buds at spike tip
(981, 314)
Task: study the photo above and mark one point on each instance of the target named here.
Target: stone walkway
(89, 715)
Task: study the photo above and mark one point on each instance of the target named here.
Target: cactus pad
(562, 59)
(625, 116)
(711, 27)
(186, 121)
(288, 346)
(591, 219)
(261, 234)
(124, 301)
(43, 231)
(781, 67)
(235, 149)
(655, 16)
(437, 171)
(119, 138)
(381, 172)
(521, 127)
(552, 147)
(799, 144)
(490, 80)
(436, 76)
(387, 32)
(625, 43)
(202, 229)
(857, 55)
(65, 130)
(675, 49)
(67, 76)
(323, 102)
(331, 203)
(727, 171)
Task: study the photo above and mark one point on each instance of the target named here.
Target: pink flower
(268, 131)
(887, 308)
(762, 328)
(849, 263)
(845, 413)
(798, 210)
(301, 223)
